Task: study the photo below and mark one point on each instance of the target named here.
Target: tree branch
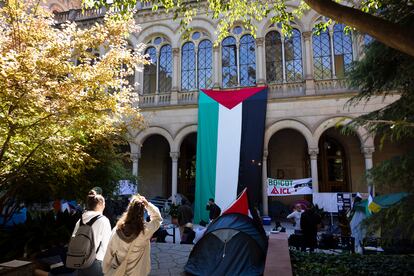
(391, 34)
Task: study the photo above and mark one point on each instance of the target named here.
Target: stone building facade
(307, 100)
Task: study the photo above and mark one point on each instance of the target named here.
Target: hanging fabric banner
(283, 187)
(230, 136)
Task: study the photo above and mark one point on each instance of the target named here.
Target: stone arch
(162, 29)
(365, 138)
(143, 135)
(203, 25)
(290, 124)
(181, 135)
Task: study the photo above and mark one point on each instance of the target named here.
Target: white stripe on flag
(228, 154)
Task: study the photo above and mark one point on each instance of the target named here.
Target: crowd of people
(97, 249)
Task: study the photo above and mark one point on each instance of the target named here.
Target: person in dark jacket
(309, 223)
(214, 209)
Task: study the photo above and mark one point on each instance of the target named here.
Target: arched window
(293, 57)
(150, 71)
(205, 64)
(229, 62)
(322, 63)
(188, 67)
(274, 63)
(165, 69)
(247, 61)
(342, 50)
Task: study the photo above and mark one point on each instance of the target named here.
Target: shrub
(354, 264)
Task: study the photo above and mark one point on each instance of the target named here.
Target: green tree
(56, 96)
(365, 16)
(386, 71)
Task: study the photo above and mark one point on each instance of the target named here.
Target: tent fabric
(384, 201)
(230, 139)
(231, 245)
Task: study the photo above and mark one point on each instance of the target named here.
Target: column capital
(259, 41)
(175, 51)
(307, 35)
(367, 152)
(265, 154)
(313, 153)
(135, 156)
(216, 48)
(174, 155)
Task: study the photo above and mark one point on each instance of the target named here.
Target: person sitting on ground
(295, 215)
(214, 209)
(188, 234)
(159, 235)
(185, 215)
(128, 251)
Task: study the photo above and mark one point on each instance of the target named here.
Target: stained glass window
(322, 65)
(188, 67)
(165, 69)
(273, 48)
(205, 64)
(247, 61)
(229, 62)
(342, 50)
(293, 57)
(150, 71)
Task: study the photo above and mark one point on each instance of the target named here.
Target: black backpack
(81, 251)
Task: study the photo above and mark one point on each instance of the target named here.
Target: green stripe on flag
(208, 110)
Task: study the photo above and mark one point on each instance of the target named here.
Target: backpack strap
(92, 220)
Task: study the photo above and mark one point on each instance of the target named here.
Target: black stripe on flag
(251, 148)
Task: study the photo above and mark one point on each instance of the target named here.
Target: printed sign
(282, 187)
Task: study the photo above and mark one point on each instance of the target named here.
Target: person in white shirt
(295, 215)
(128, 252)
(95, 204)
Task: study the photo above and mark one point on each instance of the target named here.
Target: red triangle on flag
(240, 205)
(231, 98)
(275, 191)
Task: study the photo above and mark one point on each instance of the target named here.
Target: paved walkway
(169, 258)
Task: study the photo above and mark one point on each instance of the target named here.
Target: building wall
(298, 112)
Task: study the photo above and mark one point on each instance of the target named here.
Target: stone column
(332, 53)
(313, 153)
(283, 59)
(135, 162)
(368, 151)
(260, 62)
(174, 157)
(264, 185)
(308, 63)
(216, 66)
(176, 68)
(157, 88)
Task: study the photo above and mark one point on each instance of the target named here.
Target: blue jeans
(94, 270)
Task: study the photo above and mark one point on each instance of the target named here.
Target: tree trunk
(391, 34)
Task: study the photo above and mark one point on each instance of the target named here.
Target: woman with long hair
(128, 252)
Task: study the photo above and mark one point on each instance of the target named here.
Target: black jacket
(215, 211)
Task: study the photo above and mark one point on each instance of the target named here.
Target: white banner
(282, 187)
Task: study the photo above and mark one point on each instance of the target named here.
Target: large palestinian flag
(230, 137)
